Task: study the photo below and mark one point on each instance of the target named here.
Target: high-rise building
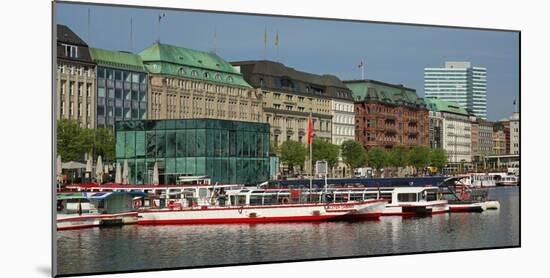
(459, 82)
(387, 115)
(121, 87)
(75, 79)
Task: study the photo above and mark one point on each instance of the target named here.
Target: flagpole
(311, 156)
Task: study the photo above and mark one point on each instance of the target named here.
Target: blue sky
(392, 53)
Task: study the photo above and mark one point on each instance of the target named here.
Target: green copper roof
(439, 105)
(173, 60)
(383, 92)
(117, 59)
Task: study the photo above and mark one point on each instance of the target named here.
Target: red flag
(309, 130)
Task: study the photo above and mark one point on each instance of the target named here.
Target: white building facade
(343, 121)
(459, 82)
(514, 133)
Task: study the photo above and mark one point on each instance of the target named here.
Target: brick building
(387, 115)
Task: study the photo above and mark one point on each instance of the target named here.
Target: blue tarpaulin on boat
(105, 195)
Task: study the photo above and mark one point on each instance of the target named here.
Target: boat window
(356, 196)
(270, 199)
(203, 192)
(241, 200)
(386, 196)
(406, 197)
(431, 196)
(255, 199)
(369, 196)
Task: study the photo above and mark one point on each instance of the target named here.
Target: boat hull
(416, 209)
(66, 222)
(250, 214)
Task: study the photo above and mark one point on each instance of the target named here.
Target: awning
(97, 195)
(73, 165)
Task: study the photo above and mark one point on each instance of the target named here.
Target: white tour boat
(86, 209)
(256, 205)
(478, 180)
(403, 201)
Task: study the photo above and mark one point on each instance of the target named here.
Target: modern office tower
(459, 82)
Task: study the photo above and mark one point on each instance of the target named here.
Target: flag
(277, 39)
(360, 64)
(161, 16)
(514, 101)
(309, 130)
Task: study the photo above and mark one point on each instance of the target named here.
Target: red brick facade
(385, 125)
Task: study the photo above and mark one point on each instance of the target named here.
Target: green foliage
(377, 158)
(74, 141)
(398, 156)
(353, 154)
(292, 153)
(323, 150)
(273, 148)
(419, 156)
(438, 158)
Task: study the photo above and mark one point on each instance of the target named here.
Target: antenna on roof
(131, 34)
(265, 42)
(277, 45)
(215, 39)
(89, 33)
(161, 16)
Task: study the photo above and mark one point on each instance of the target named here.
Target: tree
(377, 158)
(438, 158)
(72, 140)
(353, 154)
(292, 153)
(398, 156)
(323, 150)
(273, 148)
(419, 157)
(104, 141)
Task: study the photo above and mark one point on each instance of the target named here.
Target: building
(121, 87)
(514, 134)
(474, 139)
(291, 96)
(459, 82)
(75, 94)
(187, 83)
(484, 140)
(387, 115)
(499, 140)
(457, 129)
(229, 152)
(436, 130)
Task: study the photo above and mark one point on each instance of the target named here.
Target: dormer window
(218, 76)
(181, 71)
(206, 75)
(229, 79)
(70, 50)
(194, 73)
(286, 83)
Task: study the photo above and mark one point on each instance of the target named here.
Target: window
(406, 197)
(230, 79)
(70, 50)
(181, 71)
(194, 73)
(206, 75)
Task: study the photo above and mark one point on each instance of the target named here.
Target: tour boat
(462, 198)
(478, 180)
(86, 209)
(507, 180)
(255, 205)
(404, 200)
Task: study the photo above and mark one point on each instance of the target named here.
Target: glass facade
(121, 95)
(229, 152)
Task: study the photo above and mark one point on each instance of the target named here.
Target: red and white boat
(463, 198)
(402, 201)
(256, 205)
(77, 210)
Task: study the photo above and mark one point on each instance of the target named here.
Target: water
(150, 247)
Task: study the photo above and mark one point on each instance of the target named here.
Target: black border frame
(54, 150)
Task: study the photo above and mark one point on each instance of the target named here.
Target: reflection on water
(145, 247)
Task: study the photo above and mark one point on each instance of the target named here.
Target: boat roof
(96, 195)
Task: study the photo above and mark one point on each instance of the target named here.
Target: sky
(391, 53)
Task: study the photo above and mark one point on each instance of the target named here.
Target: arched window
(206, 74)
(229, 79)
(195, 73)
(218, 76)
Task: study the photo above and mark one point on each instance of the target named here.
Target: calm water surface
(146, 247)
